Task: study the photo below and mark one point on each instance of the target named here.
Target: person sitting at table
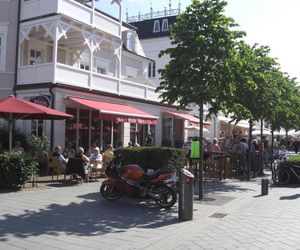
(108, 155)
(62, 160)
(95, 159)
(85, 160)
(17, 148)
(69, 151)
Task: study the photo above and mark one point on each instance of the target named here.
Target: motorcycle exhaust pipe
(153, 196)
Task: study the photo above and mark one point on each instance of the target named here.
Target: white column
(91, 69)
(101, 134)
(112, 133)
(93, 14)
(90, 127)
(54, 52)
(77, 129)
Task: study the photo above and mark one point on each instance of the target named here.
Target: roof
(145, 27)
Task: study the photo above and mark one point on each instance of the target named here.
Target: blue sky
(267, 22)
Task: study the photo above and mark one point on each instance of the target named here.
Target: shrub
(16, 169)
(153, 157)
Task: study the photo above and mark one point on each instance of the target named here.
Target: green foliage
(16, 169)
(199, 70)
(254, 88)
(39, 144)
(294, 159)
(153, 157)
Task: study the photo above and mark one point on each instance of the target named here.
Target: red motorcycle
(131, 180)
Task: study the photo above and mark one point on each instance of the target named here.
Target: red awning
(194, 121)
(117, 112)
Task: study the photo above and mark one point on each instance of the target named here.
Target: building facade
(72, 57)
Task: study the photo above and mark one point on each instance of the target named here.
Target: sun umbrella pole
(10, 122)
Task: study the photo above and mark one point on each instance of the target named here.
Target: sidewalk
(233, 215)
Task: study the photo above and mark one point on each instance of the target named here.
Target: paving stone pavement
(77, 217)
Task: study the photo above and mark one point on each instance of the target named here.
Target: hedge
(153, 157)
(295, 159)
(16, 169)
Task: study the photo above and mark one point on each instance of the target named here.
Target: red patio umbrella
(12, 109)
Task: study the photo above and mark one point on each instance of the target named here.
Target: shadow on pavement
(91, 217)
(291, 197)
(214, 187)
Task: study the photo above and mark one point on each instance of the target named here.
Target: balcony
(71, 9)
(45, 73)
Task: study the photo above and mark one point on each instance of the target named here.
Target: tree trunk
(200, 174)
(261, 164)
(249, 152)
(286, 138)
(272, 148)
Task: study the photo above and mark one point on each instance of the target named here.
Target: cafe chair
(97, 171)
(211, 169)
(54, 168)
(75, 167)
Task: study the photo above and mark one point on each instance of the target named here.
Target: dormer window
(165, 25)
(156, 26)
(131, 43)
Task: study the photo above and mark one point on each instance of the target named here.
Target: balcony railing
(44, 73)
(38, 8)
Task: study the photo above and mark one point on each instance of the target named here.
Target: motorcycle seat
(155, 174)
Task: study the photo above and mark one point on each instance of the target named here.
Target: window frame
(3, 46)
(165, 22)
(156, 26)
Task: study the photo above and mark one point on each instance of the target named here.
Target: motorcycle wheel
(110, 192)
(168, 196)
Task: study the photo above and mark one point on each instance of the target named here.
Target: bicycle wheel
(284, 177)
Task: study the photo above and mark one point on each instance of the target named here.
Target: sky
(274, 23)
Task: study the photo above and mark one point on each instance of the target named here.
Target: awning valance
(117, 112)
(194, 121)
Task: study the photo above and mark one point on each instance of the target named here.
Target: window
(131, 72)
(149, 69)
(156, 26)
(131, 43)
(152, 69)
(165, 25)
(100, 70)
(35, 57)
(84, 66)
(101, 65)
(84, 61)
(3, 41)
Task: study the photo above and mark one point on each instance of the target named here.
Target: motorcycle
(131, 180)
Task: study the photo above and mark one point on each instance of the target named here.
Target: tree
(199, 70)
(254, 88)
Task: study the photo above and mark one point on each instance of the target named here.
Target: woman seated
(85, 160)
(108, 155)
(61, 159)
(95, 160)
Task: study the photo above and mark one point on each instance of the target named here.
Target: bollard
(186, 195)
(264, 186)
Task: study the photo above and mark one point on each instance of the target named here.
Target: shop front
(176, 128)
(102, 123)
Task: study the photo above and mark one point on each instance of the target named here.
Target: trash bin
(186, 195)
(264, 186)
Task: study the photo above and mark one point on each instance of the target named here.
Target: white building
(70, 56)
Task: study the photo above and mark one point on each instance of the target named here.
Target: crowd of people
(237, 145)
